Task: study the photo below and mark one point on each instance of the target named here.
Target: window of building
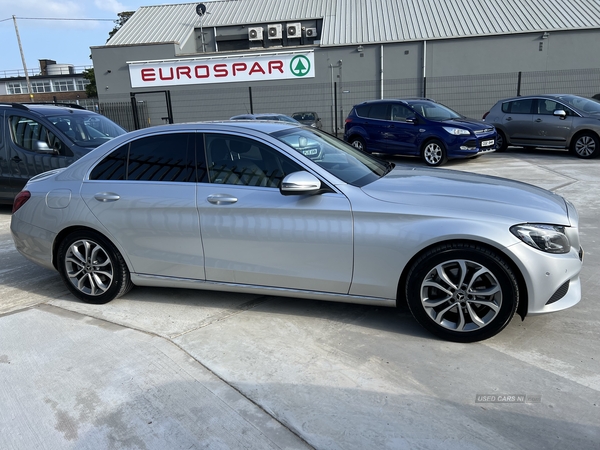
(80, 84)
(16, 88)
(63, 85)
(41, 86)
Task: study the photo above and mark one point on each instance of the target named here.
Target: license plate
(487, 143)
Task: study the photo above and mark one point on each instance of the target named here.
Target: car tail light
(485, 115)
(348, 120)
(20, 200)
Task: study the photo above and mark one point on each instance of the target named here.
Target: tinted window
(379, 111)
(113, 166)
(238, 160)
(25, 132)
(547, 107)
(167, 157)
(524, 106)
(362, 110)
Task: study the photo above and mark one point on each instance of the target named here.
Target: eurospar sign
(279, 66)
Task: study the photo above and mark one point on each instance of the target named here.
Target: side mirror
(411, 119)
(560, 113)
(300, 183)
(42, 147)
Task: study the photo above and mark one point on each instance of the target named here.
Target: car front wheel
(462, 292)
(585, 146)
(92, 268)
(501, 143)
(434, 153)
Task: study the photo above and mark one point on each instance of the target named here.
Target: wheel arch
(580, 132)
(523, 297)
(71, 229)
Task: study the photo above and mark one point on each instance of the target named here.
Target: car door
(254, 235)
(401, 136)
(517, 121)
(7, 190)
(32, 148)
(144, 194)
(551, 130)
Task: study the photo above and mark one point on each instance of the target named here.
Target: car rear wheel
(462, 292)
(358, 143)
(92, 268)
(585, 146)
(501, 143)
(434, 153)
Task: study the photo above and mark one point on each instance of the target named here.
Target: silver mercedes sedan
(278, 209)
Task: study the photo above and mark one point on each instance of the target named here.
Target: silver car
(279, 209)
(554, 121)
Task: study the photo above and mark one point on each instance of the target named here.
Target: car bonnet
(462, 194)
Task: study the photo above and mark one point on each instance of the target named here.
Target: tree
(91, 89)
(123, 17)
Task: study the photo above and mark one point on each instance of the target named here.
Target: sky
(66, 42)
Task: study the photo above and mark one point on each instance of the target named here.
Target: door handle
(538, 120)
(221, 199)
(16, 159)
(508, 119)
(107, 197)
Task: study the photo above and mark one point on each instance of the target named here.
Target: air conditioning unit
(311, 32)
(274, 31)
(294, 30)
(255, 34)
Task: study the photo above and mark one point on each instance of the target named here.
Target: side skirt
(187, 283)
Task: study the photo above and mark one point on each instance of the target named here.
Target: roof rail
(15, 105)
(24, 105)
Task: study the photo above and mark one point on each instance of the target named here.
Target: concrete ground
(170, 369)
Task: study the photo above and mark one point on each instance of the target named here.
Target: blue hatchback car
(418, 127)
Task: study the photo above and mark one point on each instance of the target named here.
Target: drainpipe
(424, 68)
(381, 75)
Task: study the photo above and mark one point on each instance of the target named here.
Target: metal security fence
(471, 95)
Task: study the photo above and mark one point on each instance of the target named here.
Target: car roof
(548, 96)
(47, 109)
(266, 127)
(404, 99)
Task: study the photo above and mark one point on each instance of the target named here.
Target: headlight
(456, 131)
(547, 238)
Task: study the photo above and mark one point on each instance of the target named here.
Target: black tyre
(585, 145)
(92, 268)
(358, 143)
(462, 292)
(501, 143)
(434, 153)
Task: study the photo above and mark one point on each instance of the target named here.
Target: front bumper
(552, 281)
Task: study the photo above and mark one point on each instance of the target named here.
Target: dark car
(265, 116)
(35, 138)
(555, 121)
(309, 118)
(417, 127)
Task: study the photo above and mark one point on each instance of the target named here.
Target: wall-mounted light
(360, 49)
(546, 35)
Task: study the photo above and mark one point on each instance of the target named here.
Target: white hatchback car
(281, 209)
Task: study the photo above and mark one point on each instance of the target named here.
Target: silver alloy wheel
(585, 146)
(88, 267)
(357, 143)
(461, 295)
(433, 153)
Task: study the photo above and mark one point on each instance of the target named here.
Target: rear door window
(379, 111)
(167, 157)
(521, 106)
